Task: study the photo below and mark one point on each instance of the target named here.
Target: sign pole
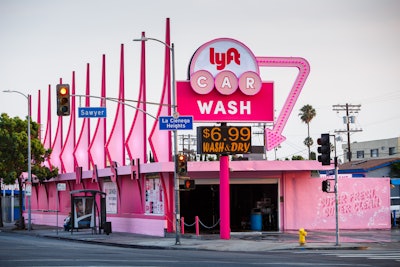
(175, 136)
(57, 210)
(336, 201)
(224, 197)
(175, 152)
(336, 195)
(27, 192)
(60, 187)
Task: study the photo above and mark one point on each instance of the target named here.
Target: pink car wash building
(224, 86)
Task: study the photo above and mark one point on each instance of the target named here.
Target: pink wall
(364, 203)
(130, 216)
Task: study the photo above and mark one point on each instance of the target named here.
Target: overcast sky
(352, 47)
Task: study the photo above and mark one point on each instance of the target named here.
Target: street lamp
(175, 148)
(29, 153)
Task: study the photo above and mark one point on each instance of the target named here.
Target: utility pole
(348, 108)
(263, 126)
(191, 141)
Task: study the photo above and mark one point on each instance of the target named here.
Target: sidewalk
(243, 241)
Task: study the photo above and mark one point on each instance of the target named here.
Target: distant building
(375, 149)
(368, 168)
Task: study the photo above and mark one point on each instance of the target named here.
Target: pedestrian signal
(326, 186)
(189, 184)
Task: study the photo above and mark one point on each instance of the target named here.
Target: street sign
(92, 112)
(28, 189)
(180, 123)
(61, 187)
(330, 172)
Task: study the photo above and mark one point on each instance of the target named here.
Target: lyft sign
(225, 85)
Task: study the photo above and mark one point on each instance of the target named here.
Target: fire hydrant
(302, 236)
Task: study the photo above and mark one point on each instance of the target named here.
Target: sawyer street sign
(92, 112)
(180, 123)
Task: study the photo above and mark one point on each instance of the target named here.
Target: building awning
(395, 181)
(88, 191)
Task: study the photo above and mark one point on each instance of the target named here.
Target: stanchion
(182, 225)
(197, 225)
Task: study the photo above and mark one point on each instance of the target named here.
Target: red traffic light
(324, 140)
(324, 149)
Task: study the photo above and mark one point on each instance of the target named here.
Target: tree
(308, 142)
(13, 155)
(307, 113)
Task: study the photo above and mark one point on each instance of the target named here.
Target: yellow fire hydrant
(302, 236)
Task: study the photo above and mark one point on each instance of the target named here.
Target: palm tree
(308, 142)
(307, 113)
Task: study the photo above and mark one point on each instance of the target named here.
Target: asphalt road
(27, 250)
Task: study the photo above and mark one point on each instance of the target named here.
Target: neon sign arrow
(273, 137)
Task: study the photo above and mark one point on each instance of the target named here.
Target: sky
(352, 47)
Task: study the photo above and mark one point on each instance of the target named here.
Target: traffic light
(189, 184)
(181, 165)
(326, 186)
(63, 103)
(324, 149)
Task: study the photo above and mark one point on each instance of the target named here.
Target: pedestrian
(67, 222)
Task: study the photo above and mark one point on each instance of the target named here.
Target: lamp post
(175, 137)
(29, 153)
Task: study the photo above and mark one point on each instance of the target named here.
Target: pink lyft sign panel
(216, 107)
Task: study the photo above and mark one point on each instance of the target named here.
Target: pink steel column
(224, 198)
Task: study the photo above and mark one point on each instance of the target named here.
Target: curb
(195, 247)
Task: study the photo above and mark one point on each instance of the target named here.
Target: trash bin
(107, 228)
(256, 220)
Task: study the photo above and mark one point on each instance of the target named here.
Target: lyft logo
(226, 65)
(223, 59)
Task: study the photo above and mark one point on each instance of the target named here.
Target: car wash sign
(225, 85)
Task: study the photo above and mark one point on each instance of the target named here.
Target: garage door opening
(249, 203)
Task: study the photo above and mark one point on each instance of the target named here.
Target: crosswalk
(390, 254)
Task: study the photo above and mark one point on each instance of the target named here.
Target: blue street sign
(92, 112)
(180, 123)
(330, 172)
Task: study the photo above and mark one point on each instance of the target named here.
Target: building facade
(143, 195)
(283, 192)
(375, 149)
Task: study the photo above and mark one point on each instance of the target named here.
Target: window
(392, 151)
(374, 153)
(360, 154)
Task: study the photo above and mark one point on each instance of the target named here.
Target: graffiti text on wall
(351, 203)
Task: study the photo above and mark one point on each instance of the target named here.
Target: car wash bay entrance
(250, 202)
